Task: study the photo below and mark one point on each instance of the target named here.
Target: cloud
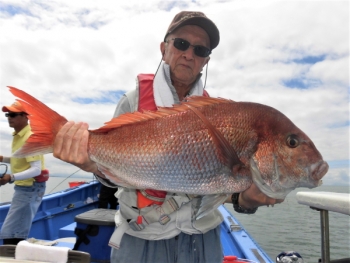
(80, 56)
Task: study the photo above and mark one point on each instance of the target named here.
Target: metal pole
(325, 236)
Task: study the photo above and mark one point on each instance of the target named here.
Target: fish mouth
(319, 170)
(278, 191)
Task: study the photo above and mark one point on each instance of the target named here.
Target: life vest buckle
(136, 227)
(164, 219)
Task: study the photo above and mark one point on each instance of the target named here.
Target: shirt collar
(22, 132)
(166, 70)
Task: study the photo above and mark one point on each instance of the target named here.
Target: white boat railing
(324, 202)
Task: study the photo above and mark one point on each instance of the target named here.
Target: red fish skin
(183, 143)
(173, 149)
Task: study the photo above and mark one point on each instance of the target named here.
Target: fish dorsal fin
(132, 118)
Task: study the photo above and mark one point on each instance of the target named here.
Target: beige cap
(198, 19)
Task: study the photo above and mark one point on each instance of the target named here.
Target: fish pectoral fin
(112, 177)
(227, 154)
(207, 203)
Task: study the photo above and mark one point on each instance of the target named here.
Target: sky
(79, 57)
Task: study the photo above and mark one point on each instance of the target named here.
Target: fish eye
(292, 141)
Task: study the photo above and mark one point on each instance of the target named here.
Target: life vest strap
(160, 214)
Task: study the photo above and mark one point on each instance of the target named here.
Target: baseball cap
(198, 19)
(15, 107)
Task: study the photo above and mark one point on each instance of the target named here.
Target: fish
(202, 147)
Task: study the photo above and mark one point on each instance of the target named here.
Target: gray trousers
(200, 248)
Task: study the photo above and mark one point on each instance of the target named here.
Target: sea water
(284, 227)
(290, 226)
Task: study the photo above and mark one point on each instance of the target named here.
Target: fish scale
(184, 162)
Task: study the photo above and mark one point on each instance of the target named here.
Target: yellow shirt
(22, 164)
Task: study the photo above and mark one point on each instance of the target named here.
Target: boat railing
(325, 202)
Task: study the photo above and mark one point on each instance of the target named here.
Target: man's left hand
(253, 198)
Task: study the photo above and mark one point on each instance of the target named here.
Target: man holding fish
(187, 45)
(176, 154)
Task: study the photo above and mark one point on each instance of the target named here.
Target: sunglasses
(200, 51)
(12, 114)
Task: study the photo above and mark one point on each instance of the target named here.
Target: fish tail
(44, 122)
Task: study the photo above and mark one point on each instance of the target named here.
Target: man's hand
(5, 179)
(253, 198)
(71, 145)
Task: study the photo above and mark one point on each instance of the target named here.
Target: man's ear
(162, 49)
(207, 60)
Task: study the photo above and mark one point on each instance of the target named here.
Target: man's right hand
(71, 145)
(5, 179)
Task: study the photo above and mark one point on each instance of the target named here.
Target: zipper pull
(139, 220)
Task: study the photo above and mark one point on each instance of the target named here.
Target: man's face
(17, 120)
(185, 65)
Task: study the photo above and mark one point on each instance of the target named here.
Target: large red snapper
(206, 146)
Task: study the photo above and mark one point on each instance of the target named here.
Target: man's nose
(189, 53)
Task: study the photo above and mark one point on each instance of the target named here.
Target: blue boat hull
(55, 219)
(59, 209)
